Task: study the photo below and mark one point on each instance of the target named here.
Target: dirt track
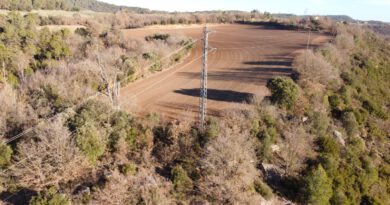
(246, 57)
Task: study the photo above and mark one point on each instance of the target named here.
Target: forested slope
(322, 137)
(93, 5)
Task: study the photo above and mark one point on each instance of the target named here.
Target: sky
(358, 9)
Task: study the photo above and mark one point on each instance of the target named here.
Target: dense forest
(94, 5)
(322, 136)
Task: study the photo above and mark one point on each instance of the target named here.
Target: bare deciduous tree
(296, 148)
(145, 187)
(21, 64)
(107, 64)
(49, 157)
(231, 166)
(314, 68)
(14, 113)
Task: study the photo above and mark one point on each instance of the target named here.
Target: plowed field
(246, 57)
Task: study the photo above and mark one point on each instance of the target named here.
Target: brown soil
(247, 56)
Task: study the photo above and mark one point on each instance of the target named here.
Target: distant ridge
(340, 18)
(332, 17)
(94, 5)
(103, 7)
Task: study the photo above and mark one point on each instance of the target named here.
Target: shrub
(212, 130)
(361, 115)
(75, 9)
(49, 197)
(53, 46)
(320, 124)
(265, 152)
(129, 66)
(318, 187)
(334, 101)
(120, 120)
(347, 78)
(350, 123)
(263, 189)
(345, 41)
(13, 80)
(50, 94)
(153, 119)
(273, 133)
(5, 155)
(91, 111)
(339, 198)
(156, 64)
(345, 93)
(122, 124)
(128, 169)
(374, 108)
(336, 105)
(330, 163)
(284, 91)
(114, 139)
(329, 154)
(375, 132)
(89, 142)
(131, 138)
(181, 182)
(329, 145)
(269, 121)
(157, 36)
(335, 56)
(83, 32)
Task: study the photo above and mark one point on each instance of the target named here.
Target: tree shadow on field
(219, 95)
(258, 75)
(21, 197)
(269, 63)
(269, 25)
(250, 72)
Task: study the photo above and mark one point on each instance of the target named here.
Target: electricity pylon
(203, 81)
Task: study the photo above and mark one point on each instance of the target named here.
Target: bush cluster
(263, 189)
(49, 197)
(181, 182)
(284, 91)
(89, 142)
(157, 37)
(318, 187)
(5, 155)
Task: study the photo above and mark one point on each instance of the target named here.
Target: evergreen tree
(318, 187)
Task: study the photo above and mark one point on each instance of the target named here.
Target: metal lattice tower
(203, 80)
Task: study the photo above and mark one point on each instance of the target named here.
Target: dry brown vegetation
(230, 163)
(48, 157)
(313, 67)
(320, 138)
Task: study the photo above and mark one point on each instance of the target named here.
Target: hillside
(331, 17)
(380, 27)
(93, 5)
(315, 129)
